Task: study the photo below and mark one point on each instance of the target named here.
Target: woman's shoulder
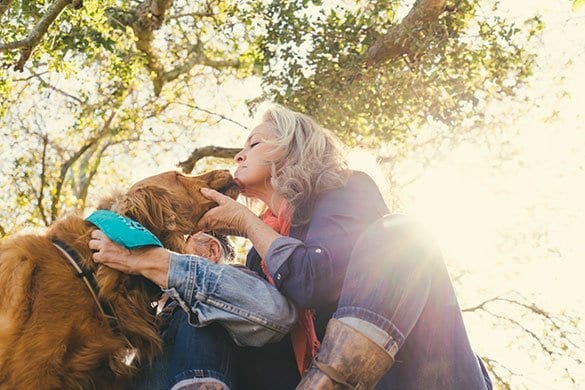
(359, 178)
(358, 181)
(360, 189)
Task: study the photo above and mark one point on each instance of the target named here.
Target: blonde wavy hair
(313, 160)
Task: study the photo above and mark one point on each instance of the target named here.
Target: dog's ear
(155, 208)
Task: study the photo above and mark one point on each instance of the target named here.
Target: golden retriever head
(170, 204)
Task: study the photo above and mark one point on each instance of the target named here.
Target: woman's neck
(268, 196)
(274, 203)
(272, 200)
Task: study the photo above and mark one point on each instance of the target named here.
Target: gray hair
(227, 250)
(313, 160)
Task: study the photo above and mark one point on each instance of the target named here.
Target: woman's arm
(308, 271)
(253, 311)
(311, 271)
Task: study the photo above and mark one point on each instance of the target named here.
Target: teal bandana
(123, 230)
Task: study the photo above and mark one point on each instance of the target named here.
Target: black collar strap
(88, 278)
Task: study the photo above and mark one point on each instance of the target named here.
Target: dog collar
(88, 277)
(123, 230)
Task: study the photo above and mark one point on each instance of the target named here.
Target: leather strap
(88, 278)
(334, 375)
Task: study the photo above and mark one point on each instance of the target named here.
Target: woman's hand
(229, 217)
(233, 218)
(150, 262)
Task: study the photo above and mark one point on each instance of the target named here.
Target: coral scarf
(303, 336)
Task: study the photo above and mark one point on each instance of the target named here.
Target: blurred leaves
(577, 4)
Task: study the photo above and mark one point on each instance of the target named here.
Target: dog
(52, 332)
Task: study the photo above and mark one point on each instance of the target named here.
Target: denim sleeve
(253, 311)
(310, 271)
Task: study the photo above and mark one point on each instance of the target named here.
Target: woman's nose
(238, 158)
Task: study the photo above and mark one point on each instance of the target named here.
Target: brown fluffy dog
(52, 335)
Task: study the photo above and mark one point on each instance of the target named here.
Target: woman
(372, 288)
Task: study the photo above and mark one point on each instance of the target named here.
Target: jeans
(397, 292)
(190, 355)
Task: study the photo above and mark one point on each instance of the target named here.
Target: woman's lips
(239, 183)
(238, 171)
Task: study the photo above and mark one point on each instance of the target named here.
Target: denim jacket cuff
(278, 253)
(182, 277)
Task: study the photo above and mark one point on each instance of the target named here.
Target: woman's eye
(254, 144)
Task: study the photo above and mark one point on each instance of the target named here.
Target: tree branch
(491, 366)
(193, 15)
(158, 9)
(534, 336)
(197, 58)
(401, 39)
(222, 117)
(83, 189)
(148, 17)
(206, 151)
(4, 5)
(36, 34)
(67, 164)
(58, 90)
(481, 305)
(43, 181)
(562, 342)
(32, 76)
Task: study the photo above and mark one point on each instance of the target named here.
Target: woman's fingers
(227, 218)
(98, 234)
(216, 196)
(97, 241)
(108, 252)
(152, 262)
(212, 220)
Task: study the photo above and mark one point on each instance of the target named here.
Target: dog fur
(52, 335)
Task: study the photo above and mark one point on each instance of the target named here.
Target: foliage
(317, 64)
(577, 4)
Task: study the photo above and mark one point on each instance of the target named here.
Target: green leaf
(577, 4)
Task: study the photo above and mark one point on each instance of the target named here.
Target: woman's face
(254, 162)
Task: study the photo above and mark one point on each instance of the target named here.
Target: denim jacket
(252, 311)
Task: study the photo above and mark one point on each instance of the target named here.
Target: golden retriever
(52, 333)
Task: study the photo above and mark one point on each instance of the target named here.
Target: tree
(87, 85)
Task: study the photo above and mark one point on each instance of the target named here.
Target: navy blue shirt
(309, 266)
